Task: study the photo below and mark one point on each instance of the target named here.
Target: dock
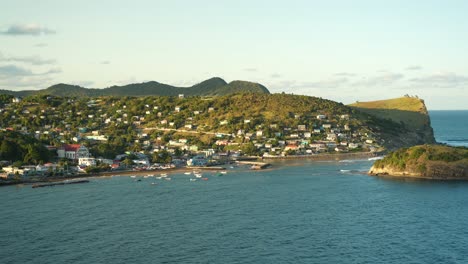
(256, 165)
(59, 183)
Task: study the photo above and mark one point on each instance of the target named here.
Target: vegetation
(409, 111)
(418, 158)
(26, 149)
(112, 125)
(213, 86)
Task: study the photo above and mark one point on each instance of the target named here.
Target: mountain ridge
(211, 87)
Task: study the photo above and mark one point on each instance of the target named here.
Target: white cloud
(414, 68)
(385, 79)
(27, 29)
(345, 74)
(275, 75)
(34, 60)
(443, 79)
(41, 45)
(10, 70)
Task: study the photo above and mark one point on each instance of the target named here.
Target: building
(73, 151)
(87, 162)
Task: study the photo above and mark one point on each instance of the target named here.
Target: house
(197, 161)
(331, 136)
(181, 96)
(87, 162)
(301, 127)
(73, 151)
(291, 147)
(326, 125)
(321, 116)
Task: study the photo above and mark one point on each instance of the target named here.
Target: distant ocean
(450, 127)
(299, 212)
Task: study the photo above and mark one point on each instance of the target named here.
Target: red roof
(71, 147)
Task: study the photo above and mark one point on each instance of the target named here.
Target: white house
(87, 162)
(73, 151)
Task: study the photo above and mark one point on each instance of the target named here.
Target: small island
(435, 162)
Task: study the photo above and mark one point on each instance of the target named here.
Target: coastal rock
(433, 162)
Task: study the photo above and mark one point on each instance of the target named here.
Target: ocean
(297, 212)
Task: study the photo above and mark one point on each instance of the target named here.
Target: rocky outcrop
(433, 162)
(409, 112)
(432, 172)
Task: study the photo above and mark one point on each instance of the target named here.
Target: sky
(347, 51)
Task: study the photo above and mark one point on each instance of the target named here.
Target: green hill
(210, 87)
(425, 161)
(411, 112)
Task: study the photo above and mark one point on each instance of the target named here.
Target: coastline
(317, 157)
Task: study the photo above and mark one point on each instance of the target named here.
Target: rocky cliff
(410, 112)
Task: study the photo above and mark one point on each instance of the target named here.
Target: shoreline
(317, 157)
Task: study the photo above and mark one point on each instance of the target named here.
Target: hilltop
(211, 87)
(425, 161)
(269, 125)
(411, 112)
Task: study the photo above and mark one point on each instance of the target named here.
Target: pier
(256, 165)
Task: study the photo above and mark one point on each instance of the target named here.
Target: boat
(223, 172)
(205, 179)
(198, 175)
(376, 158)
(133, 176)
(163, 175)
(192, 179)
(154, 183)
(187, 173)
(167, 179)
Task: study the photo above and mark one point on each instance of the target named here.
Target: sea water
(297, 212)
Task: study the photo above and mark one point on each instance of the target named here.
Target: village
(94, 135)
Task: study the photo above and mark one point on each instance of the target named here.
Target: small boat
(154, 183)
(198, 175)
(133, 176)
(167, 179)
(163, 174)
(223, 172)
(158, 178)
(187, 173)
(205, 179)
(192, 179)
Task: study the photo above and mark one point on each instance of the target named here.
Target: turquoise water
(300, 212)
(450, 127)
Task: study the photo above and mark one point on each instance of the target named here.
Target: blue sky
(340, 50)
